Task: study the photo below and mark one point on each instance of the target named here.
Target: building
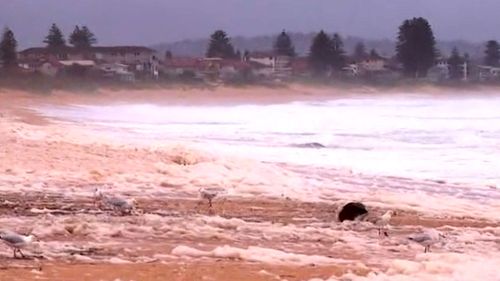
(183, 67)
(141, 59)
(279, 66)
(117, 54)
(488, 73)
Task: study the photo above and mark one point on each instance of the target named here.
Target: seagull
(427, 238)
(16, 241)
(208, 194)
(383, 222)
(121, 205)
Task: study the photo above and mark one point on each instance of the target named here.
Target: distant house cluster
(130, 63)
(258, 65)
(123, 63)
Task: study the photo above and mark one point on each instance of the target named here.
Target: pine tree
(492, 53)
(338, 59)
(321, 53)
(359, 52)
(89, 37)
(456, 62)
(246, 55)
(374, 54)
(168, 55)
(82, 37)
(8, 46)
(283, 45)
(55, 38)
(416, 47)
(220, 46)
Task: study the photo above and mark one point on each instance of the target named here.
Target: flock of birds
(356, 211)
(353, 211)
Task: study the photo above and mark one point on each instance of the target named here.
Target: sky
(147, 22)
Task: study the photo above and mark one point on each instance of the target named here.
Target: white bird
(124, 206)
(383, 222)
(16, 241)
(208, 194)
(427, 238)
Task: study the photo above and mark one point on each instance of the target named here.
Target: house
(142, 59)
(373, 64)
(300, 67)
(351, 70)
(280, 66)
(45, 67)
(439, 72)
(116, 54)
(488, 73)
(264, 58)
(183, 67)
(117, 71)
(283, 66)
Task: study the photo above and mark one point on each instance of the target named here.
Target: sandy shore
(49, 170)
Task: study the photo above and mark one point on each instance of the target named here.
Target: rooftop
(98, 49)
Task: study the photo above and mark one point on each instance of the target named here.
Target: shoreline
(228, 95)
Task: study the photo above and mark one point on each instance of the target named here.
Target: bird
(121, 205)
(427, 238)
(118, 204)
(16, 241)
(383, 222)
(208, 194)
(352, 211)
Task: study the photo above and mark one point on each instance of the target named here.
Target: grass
(41, 84)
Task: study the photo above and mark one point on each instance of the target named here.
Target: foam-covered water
(455, 139)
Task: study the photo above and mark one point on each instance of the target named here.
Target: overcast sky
(152, 21)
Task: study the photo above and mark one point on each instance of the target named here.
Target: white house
(487, 73)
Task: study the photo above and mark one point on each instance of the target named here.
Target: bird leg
(22, 255)
(210, 202)
(427, 249)
(15, 253)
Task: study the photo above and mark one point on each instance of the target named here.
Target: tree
(359, 52)
(89, 37)
(456, 65)
(220, 46)
(55, 38)
(416, 47)
(82, 37)
(8, 46)
(338, 59)
(283, 45)
(321, 53)
(246, 55)
(492, 53)
(168, 55)
(374, 54)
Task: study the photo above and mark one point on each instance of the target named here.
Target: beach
(273, 219)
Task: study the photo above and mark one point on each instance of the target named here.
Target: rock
(310, 145)
(351, 211)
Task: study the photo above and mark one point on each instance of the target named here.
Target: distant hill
(302, 41)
